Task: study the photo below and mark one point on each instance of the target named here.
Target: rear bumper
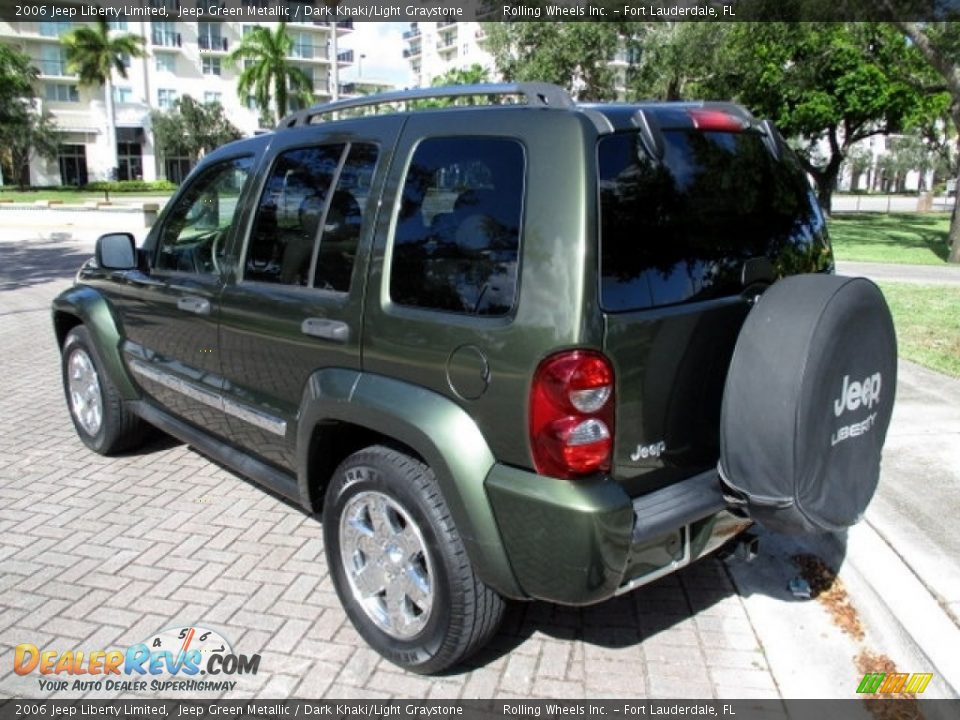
(582, 542)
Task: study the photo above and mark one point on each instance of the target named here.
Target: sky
(381, 44)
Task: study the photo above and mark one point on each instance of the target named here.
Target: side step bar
(266, 475)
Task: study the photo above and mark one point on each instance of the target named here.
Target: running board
(237, 460)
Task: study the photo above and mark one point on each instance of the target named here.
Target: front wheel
(399, 565)
(96, 408)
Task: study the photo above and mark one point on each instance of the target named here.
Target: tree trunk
(111, 130)
(826, 179)
(953, 236)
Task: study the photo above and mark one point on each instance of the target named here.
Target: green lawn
(927, 318)
(914, 238)
(75, 196)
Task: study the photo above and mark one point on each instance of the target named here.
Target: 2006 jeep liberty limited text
(518, 349)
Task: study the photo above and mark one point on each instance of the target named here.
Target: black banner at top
(321, 11)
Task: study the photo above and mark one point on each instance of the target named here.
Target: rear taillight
(571, 414)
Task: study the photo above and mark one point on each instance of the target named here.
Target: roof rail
(536, 94)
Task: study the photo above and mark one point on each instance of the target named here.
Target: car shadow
(691, 598)
(33, 262)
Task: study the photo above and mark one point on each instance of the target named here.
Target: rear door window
(457, 236)
(679, 228)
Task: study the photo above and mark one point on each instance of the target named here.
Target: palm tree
(93, 54)
(267, 72)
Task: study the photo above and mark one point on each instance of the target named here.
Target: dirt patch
(889, 706)
(828, 590)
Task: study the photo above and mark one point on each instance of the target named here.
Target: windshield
(679, 229)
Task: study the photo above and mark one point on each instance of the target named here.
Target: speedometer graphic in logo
(180, 641)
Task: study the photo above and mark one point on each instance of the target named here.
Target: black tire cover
(807, 403)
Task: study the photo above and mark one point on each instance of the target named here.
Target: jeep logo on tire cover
(852, 396)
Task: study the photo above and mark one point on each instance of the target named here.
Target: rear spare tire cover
(807, 402)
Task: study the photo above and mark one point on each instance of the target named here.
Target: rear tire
(101, 419)
(399, 564)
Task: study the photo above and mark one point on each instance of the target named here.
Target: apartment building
(182, 58)
(434, 48)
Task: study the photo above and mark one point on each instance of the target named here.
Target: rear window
(679, 229)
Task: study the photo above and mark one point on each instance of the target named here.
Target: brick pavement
(98, 553)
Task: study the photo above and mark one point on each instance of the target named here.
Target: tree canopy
(191, 129)
(267, 74)
(24, 131)
(94, 53)
(574, 55)
(939, 44)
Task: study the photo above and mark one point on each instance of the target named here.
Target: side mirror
(116, 251)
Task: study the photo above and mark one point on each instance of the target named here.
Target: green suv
(512, 348)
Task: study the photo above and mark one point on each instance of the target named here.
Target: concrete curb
(897, 603)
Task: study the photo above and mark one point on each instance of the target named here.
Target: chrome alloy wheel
(386, 563)
(86, 400)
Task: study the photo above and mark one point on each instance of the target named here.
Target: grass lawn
(914, 238)
(927, 318)
(75, 196)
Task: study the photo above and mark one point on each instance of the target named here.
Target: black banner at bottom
(27, 709)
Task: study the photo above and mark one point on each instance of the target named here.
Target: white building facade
(435, 48)
(182, 58)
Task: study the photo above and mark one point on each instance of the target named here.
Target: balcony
(412, 52)
(411, 34)
(171, 40)
(447, 41)
(52, 67)
(345, 57)
(213, 43)
(344, 25)
(317, 53)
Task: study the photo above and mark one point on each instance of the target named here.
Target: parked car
(526, 349)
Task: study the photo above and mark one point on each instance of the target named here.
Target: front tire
(399, 564)
(102, 421)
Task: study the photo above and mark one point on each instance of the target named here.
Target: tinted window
(194, 233)
(297, 210)
(458, 230)
(344, 220)
(289, 214)
(681, 229)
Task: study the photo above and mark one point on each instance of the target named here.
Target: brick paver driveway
(99, 553)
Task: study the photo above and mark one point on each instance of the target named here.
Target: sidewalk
(891, 272)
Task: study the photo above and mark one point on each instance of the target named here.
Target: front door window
(192, 239)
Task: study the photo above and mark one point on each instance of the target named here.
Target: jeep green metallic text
(512, 350)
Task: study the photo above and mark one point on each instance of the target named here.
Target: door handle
(199, 306)
(327, 329)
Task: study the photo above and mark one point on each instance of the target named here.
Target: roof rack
(536, 94)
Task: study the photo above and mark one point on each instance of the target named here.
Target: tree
(35, 134)
(191, 129)
(266, 72)
(824, 83)
(93, 53)
(674, 60)
(574, 55)
(473, 75)
(939, 43)
(17, 76)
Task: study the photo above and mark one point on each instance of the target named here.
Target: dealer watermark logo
(894, 683)
(169, 661)
(854, 395)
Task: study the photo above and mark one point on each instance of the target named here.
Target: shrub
(130, 185)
